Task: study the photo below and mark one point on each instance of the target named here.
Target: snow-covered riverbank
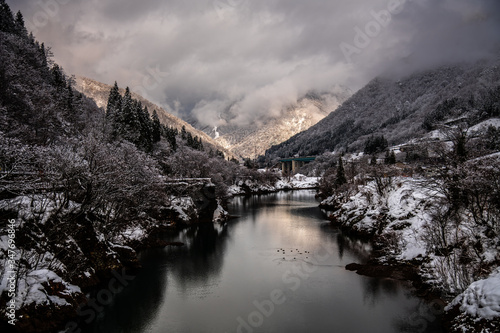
(296, 182)
(400, 216)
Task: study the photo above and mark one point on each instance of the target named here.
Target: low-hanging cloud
(252, 58)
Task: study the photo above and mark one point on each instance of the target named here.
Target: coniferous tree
(340, 179)
(6, 18)
(146, 128)
(20, 27)
(460, 147)
(390, 157)
(375, 145)
(58, 79)
(114, 101)
(156, 130)
(171, 136)
(128, 119)
(183, 133)
(172, 139)
(44, 53)
(69, 100)
(196, 143)
(113, 109)
(189, 140)
(122, 114)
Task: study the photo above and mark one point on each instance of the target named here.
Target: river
(278, 267)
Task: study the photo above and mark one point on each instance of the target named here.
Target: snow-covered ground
(482, 298)
(483, 126)
(38, 207)
(184, 206)
(33, 289)
(404, 206)
(296, 182)
(400, 217)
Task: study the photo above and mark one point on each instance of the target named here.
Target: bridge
(291, 165)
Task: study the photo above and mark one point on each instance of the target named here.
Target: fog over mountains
(196, 59)
(254, 139)
(91, 173)
(403, 109)
(99, 92)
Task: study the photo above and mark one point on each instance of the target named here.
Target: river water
(278, 267)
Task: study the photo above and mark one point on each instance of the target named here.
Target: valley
(273, 185)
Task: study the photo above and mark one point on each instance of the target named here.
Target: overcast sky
(199, 57)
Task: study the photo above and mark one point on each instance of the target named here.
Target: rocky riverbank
(396, 221)
(60, 263)
(296, 182)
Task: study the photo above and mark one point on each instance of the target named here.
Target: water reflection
(225, 277)
(202, 258)
(145, 302)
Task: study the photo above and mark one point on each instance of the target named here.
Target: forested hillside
(403, 109)
(82, 188)
(99, 92)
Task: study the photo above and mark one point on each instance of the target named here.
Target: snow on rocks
(399, 220)
(483, 126)
(220, 214)
(399, 214)
(297, 182)
(481, 299)
(235, 190)
(300, 181)
(38, 207)
(185, 208)
(134, 233)
(36, 288)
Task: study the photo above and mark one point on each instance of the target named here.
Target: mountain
(252, 140)
(79, 195)
(402, 109)
(239, 141)
(99, 92)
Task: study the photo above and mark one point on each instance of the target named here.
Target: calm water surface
(236, 278)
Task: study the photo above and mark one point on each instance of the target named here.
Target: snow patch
(296, 182)
(38, 207)
(32, 289)
(220, 214)
(483, 126)
(481, 299)
(135, 233)
(183, 205)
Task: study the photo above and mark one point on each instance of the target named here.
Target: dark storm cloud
(252, 57)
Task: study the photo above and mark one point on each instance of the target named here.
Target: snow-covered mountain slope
(403, 109)
(99, 92)
(252, 140)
